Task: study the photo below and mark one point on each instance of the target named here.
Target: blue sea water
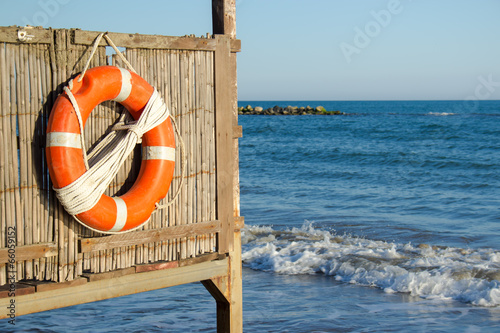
(384, 219)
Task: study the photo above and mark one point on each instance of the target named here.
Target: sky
(318, 49)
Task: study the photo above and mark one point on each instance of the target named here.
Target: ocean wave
(441, 113)
(467, 275)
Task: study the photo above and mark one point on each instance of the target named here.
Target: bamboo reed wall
(51, 245)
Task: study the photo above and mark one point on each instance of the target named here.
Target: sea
(383, 219)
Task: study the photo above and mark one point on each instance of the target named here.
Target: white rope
(122, 57)
(94, 48)
(68, 89)
(106, 158)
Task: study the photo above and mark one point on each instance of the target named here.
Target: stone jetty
(289, 110)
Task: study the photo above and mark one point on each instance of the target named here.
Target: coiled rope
(105, 159)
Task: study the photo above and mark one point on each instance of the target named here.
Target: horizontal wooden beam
(33, 35)
(115, 287)
(28, 252)
(152, 41)
(43, 250)
(148, 236)
(82, 37)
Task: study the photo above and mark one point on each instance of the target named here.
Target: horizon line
(364, 100)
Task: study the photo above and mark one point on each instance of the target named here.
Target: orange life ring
(65, 158)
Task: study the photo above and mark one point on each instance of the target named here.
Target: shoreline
(288, 110)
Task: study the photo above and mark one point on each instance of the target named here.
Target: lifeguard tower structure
(47, 259)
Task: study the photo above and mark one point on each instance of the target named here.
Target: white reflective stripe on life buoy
(63, 139)
(126, 86)
(121, 214)
(158, 153)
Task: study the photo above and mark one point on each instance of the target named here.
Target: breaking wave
(467, 275)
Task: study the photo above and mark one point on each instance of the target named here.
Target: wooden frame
(64, 247)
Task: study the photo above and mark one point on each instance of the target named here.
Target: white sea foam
(467, 275)
(441, 113)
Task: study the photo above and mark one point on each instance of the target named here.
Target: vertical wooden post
(224, 17)
(224, 137)
(227, 291)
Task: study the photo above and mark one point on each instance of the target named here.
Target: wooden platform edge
(115, 287)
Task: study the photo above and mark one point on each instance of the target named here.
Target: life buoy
(64, 153)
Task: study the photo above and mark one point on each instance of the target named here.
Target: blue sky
(318, 49)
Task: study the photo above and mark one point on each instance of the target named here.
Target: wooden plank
(148, 236)
(40, 35)
(199, 259)
(109, 275)
(115, 287)
(28, 252)
(156, 266)
(224, 137)
(18, 288)
(152, 41)
(41, 286)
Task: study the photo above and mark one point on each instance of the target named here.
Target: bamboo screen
(32, 75)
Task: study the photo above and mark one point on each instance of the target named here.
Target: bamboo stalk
(158, 215)
(212, 146)
(16, 204)
(208, 112)
(126, 251)
(183, 112)
(21, 170)
(198, 146)
(161, 89)
(10, 209)
(149, 63)
(22, 127)
(47, 203)
(144, 74)
(191, 153)
(130, 258)
(4, 100)
(202, 191)
(170, 210)
(50, 92)
(36, 116)
(176, 85)
(32, 80)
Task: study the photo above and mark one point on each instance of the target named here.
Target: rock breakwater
(288, 110)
